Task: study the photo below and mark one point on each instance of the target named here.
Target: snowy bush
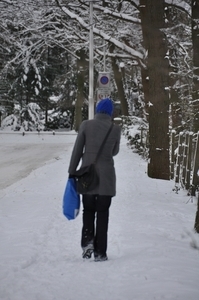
(31, 118)
(57, 119)
(28, 118)
(135, 129)
(11, 121)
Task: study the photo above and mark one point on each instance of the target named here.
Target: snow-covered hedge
(135, 130)
(31, 118)
(28, 118)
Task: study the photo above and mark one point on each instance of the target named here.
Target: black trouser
(95, 222)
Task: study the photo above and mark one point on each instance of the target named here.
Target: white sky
(150, 230)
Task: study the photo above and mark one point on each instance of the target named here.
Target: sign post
(104, 86)
(91, 64)
(91, 98)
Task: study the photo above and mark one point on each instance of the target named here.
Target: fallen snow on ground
(150, 231)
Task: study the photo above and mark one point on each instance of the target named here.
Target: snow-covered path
(150, 232)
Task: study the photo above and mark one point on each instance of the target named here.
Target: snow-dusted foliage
(28, 118)
(31, 118)
(40, 41)
(57, 119)
(136, 131)
(11, 121)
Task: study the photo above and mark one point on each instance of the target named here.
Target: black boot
(88, 250)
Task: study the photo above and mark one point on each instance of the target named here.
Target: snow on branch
(180, 4)
(116, 15)
(116, 55)
(103, 35)
(10, 2)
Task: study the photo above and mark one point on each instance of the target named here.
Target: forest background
(150, 48)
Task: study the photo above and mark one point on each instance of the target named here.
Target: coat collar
(102, 117)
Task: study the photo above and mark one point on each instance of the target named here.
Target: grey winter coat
(89, 139)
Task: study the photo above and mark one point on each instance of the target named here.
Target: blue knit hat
(105, 106)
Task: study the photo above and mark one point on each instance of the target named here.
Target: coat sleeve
(117, 143)
(77, 150)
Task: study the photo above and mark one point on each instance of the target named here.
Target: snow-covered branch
(181, 5)
(104, 36)
(121, 16)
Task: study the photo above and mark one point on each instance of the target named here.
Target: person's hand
(71, 176)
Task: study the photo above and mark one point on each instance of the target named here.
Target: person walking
(96, 203)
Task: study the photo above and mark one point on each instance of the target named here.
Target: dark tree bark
(145, 72)
(196, 225)
(158, 70)
(119, 82)
(195, 39)
(81, 67)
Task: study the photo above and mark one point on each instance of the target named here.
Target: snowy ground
(18, 159)
(150, 230)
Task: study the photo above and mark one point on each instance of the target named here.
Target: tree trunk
(119, 82)
(145, 84)
(158, 70)
(46, 112)
(81, 63)
(196, 225)
(144, 72)
(195, 39)
(176, 112)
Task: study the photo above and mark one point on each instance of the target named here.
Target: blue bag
(71, 200)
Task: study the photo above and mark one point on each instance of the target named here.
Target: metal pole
(104, 57)
(91, 98)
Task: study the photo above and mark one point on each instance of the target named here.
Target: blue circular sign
(104, 80)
